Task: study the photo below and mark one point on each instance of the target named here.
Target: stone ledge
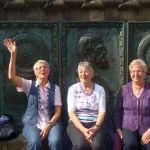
(119, 4)
(18, 143)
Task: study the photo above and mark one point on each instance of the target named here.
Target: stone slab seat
(18, 143)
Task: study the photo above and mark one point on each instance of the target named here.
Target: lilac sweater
(131, 112)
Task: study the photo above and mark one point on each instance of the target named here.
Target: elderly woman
(41, 119)
(132, 114)
(86, 109)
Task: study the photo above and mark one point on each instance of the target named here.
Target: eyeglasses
(136, 72)
(41, 67)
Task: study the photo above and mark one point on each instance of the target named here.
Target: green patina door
(139, 43)
(63, 45)
(101, 43)
(34, 41)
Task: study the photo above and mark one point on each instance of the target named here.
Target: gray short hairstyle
(140, 63)
(42, 62)
(86, 65)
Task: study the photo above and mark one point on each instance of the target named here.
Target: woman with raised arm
(41, 119)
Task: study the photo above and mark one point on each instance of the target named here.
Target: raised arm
(11, 47)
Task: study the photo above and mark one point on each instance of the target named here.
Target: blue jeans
(32, 134)
(131, 141)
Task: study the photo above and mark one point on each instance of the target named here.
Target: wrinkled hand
(10, 45)
(92, 131)
(89, 134)
(145, 137)
(44, 132)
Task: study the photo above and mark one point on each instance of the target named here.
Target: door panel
(34, 41)
(101, 43)
(139, 43)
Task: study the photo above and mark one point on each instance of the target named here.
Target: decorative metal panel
(139, 42)
(35, 40)
(101, 43)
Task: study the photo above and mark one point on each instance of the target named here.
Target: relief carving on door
(143, 51)
(91, 48)
(30, 48)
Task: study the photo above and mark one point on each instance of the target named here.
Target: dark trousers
(78, 140)
(131, 141)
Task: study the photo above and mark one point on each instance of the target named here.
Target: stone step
(18, 143)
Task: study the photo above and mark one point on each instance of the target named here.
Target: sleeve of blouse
(71, 99)
(119, 110)
(26, 85)
(57, 97)
(102, 101)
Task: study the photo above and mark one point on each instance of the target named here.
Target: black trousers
(131, 141)
(78, 140)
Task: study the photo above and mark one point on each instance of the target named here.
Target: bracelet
(50, 123)
(96, 125)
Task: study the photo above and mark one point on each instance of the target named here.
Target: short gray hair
(86, 65)
(140, 63)
(42, 62)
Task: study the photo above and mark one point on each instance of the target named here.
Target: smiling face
(137, 74)
(85, 72)
(85, 75)
(41, 70)
(138, 71)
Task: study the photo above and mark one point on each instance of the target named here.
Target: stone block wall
(74, 10)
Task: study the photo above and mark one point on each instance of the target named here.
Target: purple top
(131, 112)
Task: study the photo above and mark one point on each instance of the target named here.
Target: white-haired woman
(41, 118)
(86, 109)
(132, 116)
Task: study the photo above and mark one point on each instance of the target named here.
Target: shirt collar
(46, 86)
